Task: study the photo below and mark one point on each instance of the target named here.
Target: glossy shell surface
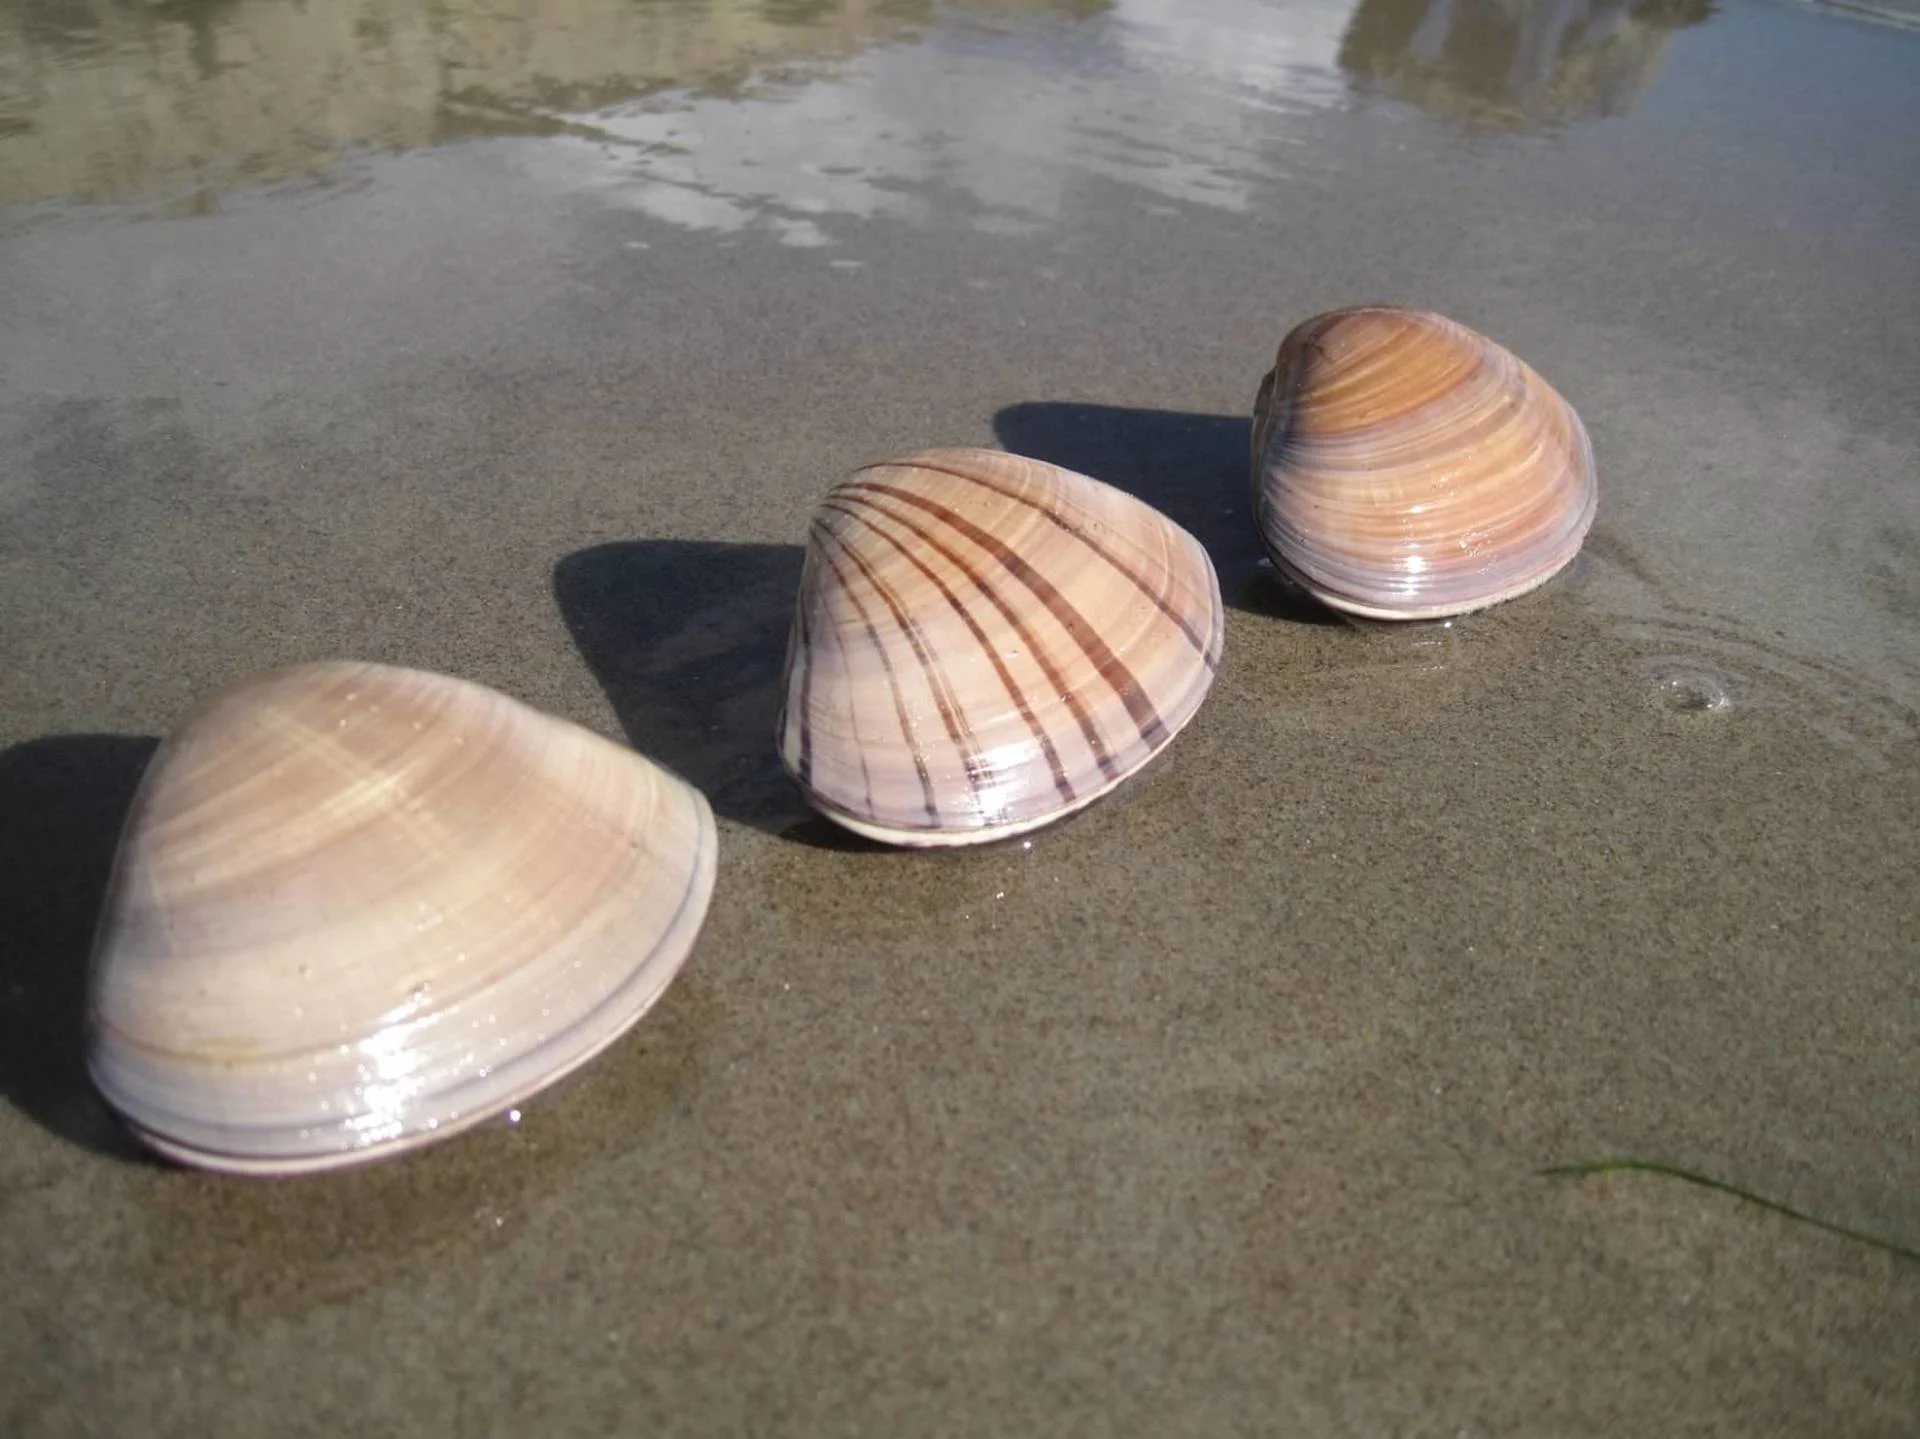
(985, 643)
(357, 909)
(1407, 467)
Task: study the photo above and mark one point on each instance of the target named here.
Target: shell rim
(950, 838)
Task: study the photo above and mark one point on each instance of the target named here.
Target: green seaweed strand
(1672, 1171)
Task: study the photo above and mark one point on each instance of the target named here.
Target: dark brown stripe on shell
(936, 680)
(1201, 643)
(1111, 667)
(853, 721)
(803, 658)
(1061, 783)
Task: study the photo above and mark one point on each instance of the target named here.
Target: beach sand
(522, 351)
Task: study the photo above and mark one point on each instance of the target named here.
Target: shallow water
(517, 341)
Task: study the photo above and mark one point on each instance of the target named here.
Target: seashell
(357, 909)
(1405, 467)
(984, 644)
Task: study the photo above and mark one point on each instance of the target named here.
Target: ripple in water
(1687, 688)
(1706, 663)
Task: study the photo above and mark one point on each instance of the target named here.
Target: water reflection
(691, 110)
(709, 113)
(1187, 101)
(103, 98)
(1515, 62)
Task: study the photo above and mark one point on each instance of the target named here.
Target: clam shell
(984, 643)
(357, 909)
(1406, 467)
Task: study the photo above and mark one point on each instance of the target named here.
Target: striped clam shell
(1406, 467)
(985, 643)
(357, 909)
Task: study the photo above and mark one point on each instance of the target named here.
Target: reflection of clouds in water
(1182, 99)
(720, 164)
(1269, 54)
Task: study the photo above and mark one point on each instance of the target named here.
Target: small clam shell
(984, 644)
(1406, 467)
(357, 909)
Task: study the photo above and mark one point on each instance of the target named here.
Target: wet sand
(1221, 1108)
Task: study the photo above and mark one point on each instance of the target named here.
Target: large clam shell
(1406, 467)
(358, 908)
(985, 643)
